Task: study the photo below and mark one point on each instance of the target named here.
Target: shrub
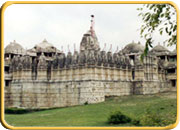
(22, 110)
(155, 119)
(118, 118)
(16, 111)
(136, 122)
(86, 103)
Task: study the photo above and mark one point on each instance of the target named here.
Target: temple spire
(117, 49)
(74, 47)
(110, 49)
(68, 48)
(62, 49)
(92, 26)
(104, 47)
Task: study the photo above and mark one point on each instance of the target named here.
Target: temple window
(6, 83)
(6, 69)
(171, 71)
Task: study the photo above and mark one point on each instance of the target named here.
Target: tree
(161, 18)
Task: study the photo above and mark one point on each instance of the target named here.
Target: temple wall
(119, 88)
(150, 87)
(53, 94)
(76, 86)
(79, 73)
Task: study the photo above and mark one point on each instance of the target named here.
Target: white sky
(63, 24)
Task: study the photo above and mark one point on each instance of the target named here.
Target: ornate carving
(49, 63)
(110, 59)
(137, 61)
(42, 64)
(122, 61)
(82, 58)
(27, 62)
(62, 59)
(91, 58)
(68, 59)
(55, 62)
(116, 60)
(75, 58)
(20, 62)
(34, 64)
(127, 61)
(104, 58)
(98, 58)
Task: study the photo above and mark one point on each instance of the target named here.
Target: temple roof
(14, 48)
(45, 46)
(133, 48)
(173, 53)
(159, 48)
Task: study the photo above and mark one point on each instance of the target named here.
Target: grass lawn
(134, 106)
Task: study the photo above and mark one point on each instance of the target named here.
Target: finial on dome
(14, 41)
(44, 40)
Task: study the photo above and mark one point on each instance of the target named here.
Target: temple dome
(174, 51)
(159, 49)
(133, 48)
(14, 48)
(45, 46)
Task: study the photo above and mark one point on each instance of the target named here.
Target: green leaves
(174, 28)
(160, 17)
(166, 29)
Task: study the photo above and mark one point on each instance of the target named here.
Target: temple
(45, 77)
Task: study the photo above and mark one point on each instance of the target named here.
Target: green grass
(134, 106)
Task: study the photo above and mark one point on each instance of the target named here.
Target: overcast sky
(63, 24)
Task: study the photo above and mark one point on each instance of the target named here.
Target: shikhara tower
(89, 40)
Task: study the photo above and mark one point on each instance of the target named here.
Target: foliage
(161, 18)
(136, 122)
(17, 110)
(118, 118)
(86, 103)
(21, 110)
(155, 119)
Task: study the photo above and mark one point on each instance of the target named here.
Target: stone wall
(75, 86)
(150, 87)
(36, 94)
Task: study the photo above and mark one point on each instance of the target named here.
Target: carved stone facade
(44, 77)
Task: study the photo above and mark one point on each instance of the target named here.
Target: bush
(155, 119)
(16, 111)
(118, 118)
(86, 103)
(136, 122)
(21, 110)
